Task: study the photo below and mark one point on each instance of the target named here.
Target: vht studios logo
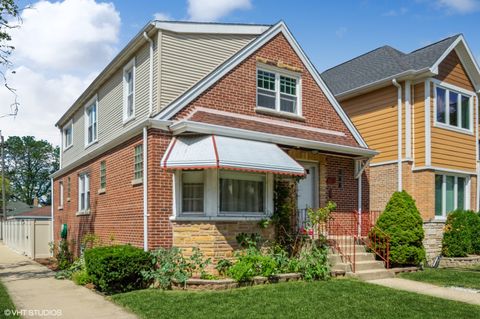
(33, 312)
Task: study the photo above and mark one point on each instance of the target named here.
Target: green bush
(251, 263)
(76, 266)
(312, 262)
(462, 234)
(402, 222)
(117, 268)
(81, 277)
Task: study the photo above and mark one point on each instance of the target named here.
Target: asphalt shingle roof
(382, 63)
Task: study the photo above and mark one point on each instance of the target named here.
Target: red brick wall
(236, 91)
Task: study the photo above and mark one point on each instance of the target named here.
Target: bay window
(192, 192)
(453, 109)
(278, 91)
(451, 193)
(242, 193)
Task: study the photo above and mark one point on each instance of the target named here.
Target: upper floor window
(278, 91)
(453, 109)
(91, 118)
(68, 135)
(129, 91)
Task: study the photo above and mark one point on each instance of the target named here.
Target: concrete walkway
(33, 287)
(429, 289)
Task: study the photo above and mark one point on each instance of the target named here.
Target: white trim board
(443, 170)
(210, 80)
(218, 28)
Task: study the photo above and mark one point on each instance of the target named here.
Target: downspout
(150, 88)
(399, 151)
(359, 209)
(51, 212)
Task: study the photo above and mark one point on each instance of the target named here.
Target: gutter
(399, 133)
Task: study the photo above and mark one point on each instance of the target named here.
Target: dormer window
(278, 91)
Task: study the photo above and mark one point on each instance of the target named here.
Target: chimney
(35, 202)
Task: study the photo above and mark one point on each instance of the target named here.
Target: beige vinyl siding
(418, 124)
(375, 116)
(187, 58)
(450, 149)
(110, 107)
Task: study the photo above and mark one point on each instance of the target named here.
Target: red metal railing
(374, 239)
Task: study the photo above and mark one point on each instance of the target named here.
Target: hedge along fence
(117, 268)
(462, 234)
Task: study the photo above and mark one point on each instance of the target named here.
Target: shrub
(170, 264)
(223, 265)
(402, 222)
(462, 234)
(81, 277)
(63, 255)
(117, 268)
(312, 262)
(76, 266)
(251, 263)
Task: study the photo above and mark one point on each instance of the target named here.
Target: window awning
(212, 151)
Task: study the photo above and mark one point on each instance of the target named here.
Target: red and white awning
(211, 151)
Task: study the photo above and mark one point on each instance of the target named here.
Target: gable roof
(177, 105)
(386, 63)
(44, 212)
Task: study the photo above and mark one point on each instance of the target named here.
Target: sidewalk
(429, 289)
(33, 287)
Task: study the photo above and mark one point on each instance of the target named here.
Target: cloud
(213, 10)
(459, 6)
(395, 13)
(162, 16)
(60, 48)
(340, 32)
(67, 36)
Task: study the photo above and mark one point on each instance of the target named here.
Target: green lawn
(5, 303)
(340, 298)
(468, 278)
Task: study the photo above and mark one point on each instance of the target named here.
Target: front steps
(366, 266)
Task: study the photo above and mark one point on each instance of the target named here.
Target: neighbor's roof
(383, 63)
(36, 212)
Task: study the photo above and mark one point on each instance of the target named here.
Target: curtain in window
(192, 192)
(241, 195)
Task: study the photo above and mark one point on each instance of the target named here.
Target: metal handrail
(342, 236)
(380, 245)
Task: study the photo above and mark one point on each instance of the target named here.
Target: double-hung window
(242, 192)
(192, 192)
(453, 109)
(450, 194)
(91, 118)
(129, 91)
(278, 91)
(68, 135)
(83, 192)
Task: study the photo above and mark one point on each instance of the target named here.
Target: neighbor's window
(192, 191)
(91, 123)
(242, 193)
(453, 108)
(138, 166)
(60, 201)
(103, 175)
(129, 91)
(450, 194)
(83, 192)
(68, 135)
(278, 91)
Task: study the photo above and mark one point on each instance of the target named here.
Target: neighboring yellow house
(419, 110)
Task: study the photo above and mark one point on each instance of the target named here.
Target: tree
(7, 192)
(9, 18)
(29, 163)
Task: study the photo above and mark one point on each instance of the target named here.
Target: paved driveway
(32, 287)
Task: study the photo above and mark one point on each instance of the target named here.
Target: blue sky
(62, 45)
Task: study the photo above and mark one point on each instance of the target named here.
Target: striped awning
(212, 151)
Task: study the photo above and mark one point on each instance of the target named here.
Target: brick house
(419, 110)
(181, 138)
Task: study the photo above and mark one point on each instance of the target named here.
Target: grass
(458, 277)
(338, 298)
(5, 303)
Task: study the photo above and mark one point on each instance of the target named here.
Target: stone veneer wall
(216, 239)
(433, 239)
(447, 262)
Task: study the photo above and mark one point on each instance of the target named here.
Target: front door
(307, 196)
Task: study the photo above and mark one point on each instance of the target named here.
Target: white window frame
(64, 131)
(280, 72)
(60, 202)
(461, 92)
(204, 175)
(127, 67)
(211, 199)
(84, 183)
(455, 193)
(92, 103)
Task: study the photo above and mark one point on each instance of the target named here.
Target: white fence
(28, 237)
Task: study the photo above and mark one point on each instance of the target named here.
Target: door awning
(212, 151)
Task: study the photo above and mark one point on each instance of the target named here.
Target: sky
(61, 46)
